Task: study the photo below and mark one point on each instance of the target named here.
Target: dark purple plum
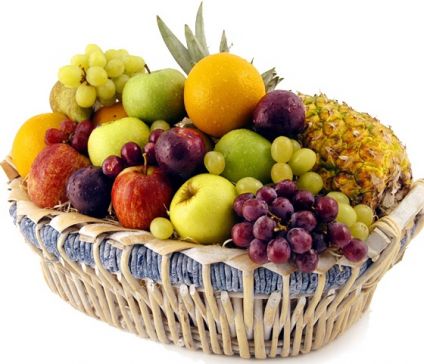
(89, 191)
(279, 112)
(180, 151)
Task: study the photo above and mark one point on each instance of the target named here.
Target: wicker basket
(207, 297)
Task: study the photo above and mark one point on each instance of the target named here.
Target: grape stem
(147, 68)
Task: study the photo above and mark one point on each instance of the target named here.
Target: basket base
(147, 314)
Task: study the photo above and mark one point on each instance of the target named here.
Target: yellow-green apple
(158, 95)
(180, 151)
(88, 191)
(202, 209)
(50, 172)
(139, 195)
(247, 154)
(109, 138)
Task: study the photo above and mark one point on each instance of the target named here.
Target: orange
(221, 92)
(29, 140)
(109, 113)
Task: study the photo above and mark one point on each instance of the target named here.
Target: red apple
(180, 151)
(139, 195)
(50, 172)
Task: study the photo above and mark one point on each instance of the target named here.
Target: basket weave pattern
(199, 316)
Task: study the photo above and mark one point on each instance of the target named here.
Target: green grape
(96, 76)
(296, 145)
(133, 64)
(112, 54)
(365, 214)
(302, 161)
(85, 95)
(70, 76)
(161, 228)
(310, 181)
(80, 60)
(160, 124)
(122, 53)
(97, 59)
(281, 149)
(340, 197)
(107, 90)
(214, 162)
(92, 48)
(280, 172)
(346, 215)
(359, 230)
(107, 102)
(115, 68)
(120, 82)
(248, 184)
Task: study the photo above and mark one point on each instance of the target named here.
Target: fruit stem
(145, 163)
(147, 68)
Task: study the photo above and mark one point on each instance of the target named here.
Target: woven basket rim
(385, 230)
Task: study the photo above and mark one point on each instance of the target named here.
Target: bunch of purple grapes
(71, 132)
(283, 224)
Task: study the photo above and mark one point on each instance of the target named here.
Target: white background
(366, 53)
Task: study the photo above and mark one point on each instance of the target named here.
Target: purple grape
(303, 200)
(149, 150)
(253, 209)
(112, 166)
(300, 240)
(303, 219)
(339, 234)
(279, 112)
(278, 251)
(257, 251)
(263, 228)
(154, 135)
(355, 251)
(307, 262)
(285, 188)
(326, 208)
(267, 194)
(282, 208)
(80, 137)
(131, 152)
(239, 202)
(319, 242)
(242, 234)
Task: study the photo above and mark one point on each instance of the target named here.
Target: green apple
(202, 209)
(155, 96)
(109, 138)
(247, 154)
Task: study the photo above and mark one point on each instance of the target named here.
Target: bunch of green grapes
(99, 75)
(294, 161)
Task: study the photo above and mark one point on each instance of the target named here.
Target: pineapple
(356, 154)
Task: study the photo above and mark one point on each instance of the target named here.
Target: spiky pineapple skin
(356, 153)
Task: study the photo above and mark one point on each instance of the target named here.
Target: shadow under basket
(208, 298)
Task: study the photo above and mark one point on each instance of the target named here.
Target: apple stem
(145, 162)
(147, 68)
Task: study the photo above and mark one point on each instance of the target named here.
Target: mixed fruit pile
(215, 157)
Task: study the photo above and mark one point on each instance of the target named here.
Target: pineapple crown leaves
(196, 48)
